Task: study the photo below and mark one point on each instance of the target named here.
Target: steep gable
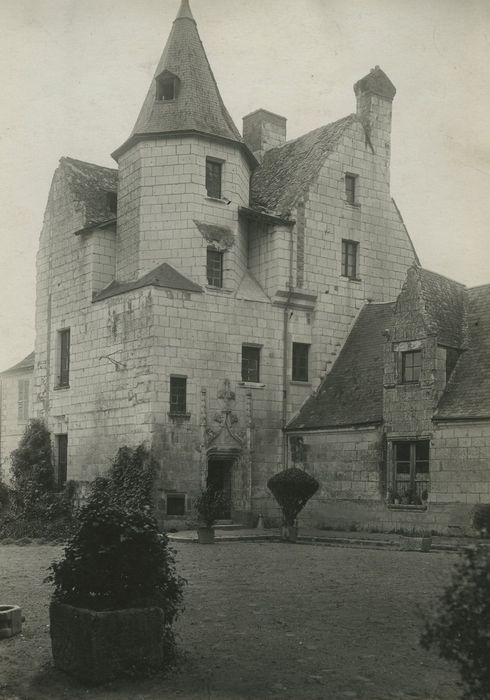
(287, 172)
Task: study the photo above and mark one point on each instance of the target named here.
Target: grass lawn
(262, 620)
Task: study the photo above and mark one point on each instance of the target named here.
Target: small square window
(350, 188)
(63, 361)
(213, 178)
(350, 251)
(411, 366)
(214, 267)
(300, 362)
(23, 387)
(178, 395)
(175, 504)
(250, 364)
(61, 458)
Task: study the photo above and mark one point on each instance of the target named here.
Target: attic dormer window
(166, 87)
(112, 202)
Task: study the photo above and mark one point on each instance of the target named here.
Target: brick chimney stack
(263, 130)
(375, 93)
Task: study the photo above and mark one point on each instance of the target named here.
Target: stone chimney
(263, 130)
(375, 93)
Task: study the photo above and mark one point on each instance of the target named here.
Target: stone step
(227, 525)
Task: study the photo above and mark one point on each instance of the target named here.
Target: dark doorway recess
(219, 479)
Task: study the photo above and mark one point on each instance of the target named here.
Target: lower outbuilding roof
(352, 393)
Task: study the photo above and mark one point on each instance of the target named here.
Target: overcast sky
(74, 74)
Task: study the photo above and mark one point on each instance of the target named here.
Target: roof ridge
(445, 277)
(478, 286)
(318, 128)
(86, 162)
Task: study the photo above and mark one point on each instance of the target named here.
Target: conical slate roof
(197, 105)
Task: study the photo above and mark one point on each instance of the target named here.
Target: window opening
(300, 362)
(411, 366)
(350, 188)
(250, 364)
(61, 459)
(166, 89)
(411, 472)
(175, 504)
(213, 178)
(214, 267)
(112, 202)
(64, 358)
(178, 395)
(349, 259)
(23, 388)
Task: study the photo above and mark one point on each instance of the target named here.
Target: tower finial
(185, 11)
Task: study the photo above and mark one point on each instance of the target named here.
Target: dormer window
(112, 202)
(166, 87)
(411, 366)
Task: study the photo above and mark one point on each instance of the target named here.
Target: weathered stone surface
(96, 647)
(10, 620)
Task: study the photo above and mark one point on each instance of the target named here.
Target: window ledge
(182, 416)
(218, 290)
(355, 205)
(351, 279)
(252, 385)
(221, 200)
(299, 382)
(407, 507)
(60, 387)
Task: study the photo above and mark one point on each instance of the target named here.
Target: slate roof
(198, 104)
(162, 276)
(444, 303)
(352, 393)
(288, 171)
(90, 184)
(23, 366)
(467, 393)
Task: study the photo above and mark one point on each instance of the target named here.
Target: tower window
(63, 360)
(166, 88)
(178, 395)
(350, 251)
(350, 188)
(300, 362)
(214, 267)
(213, 178)
(250, 363)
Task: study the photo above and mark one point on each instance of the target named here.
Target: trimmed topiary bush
(292, 488)
(209, 506)
(460, 626)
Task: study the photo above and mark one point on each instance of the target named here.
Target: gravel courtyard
(262, 620)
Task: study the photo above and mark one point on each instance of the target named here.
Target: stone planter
(10, 620)
(205, 535)
(415, 544)
(96, 647)
(289, 533)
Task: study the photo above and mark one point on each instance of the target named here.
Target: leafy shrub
(481, 518)
(210, 505)
(4, 496)
(292, 488)
(34, 508)
(132, 476)
(460, 627)
(32, 465)
(117, 559)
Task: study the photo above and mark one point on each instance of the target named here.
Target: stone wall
(12, 421)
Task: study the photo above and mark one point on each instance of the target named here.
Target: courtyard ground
(262, 620)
